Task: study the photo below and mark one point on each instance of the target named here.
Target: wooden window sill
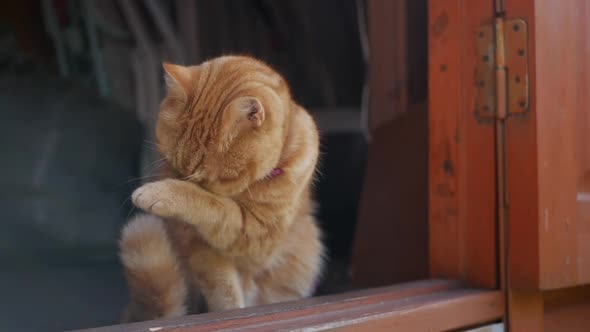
(433, 305)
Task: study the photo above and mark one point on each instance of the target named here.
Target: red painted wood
(391, 236)
(420, 306)
(462, 158)
(548, 150)
(388, 58)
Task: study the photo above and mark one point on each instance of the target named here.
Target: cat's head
(222, 123)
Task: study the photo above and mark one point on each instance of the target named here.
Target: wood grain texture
(439, 312)
(462, 159)
(427, 305)
(548, 150)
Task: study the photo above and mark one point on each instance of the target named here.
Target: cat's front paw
(155, 197)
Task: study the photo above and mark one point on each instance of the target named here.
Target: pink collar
(276, 172)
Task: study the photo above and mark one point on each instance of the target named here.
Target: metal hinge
(502, 76)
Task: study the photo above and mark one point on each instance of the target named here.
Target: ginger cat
(233, 219)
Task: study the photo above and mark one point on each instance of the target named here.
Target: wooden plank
(337, 120)
(462, 210)
(572, 318)
(441, 312)
(525, 311)
(388, 70)
(393, 211)
(434, 305)
(567, 310)
(296, 308)
(550, 311)
(391, 236)
(548, 155)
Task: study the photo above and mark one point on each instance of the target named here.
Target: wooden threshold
(433, 305)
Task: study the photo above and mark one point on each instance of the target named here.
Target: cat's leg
(217, 279)
(221, 222)
(288, 281)
(297, 269)
(250, 289)
(157, 286)
(218, 219)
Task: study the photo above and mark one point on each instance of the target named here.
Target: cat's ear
(177, 75)
(241, 114)
(248, 111)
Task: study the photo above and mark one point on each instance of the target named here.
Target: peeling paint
(546, 219)
(583, 197)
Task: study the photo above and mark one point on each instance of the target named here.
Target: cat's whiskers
(188, 177)
(152, 148)
(125, 201)
(155, 144)
(130, 211)
(140, 178)
(148, 169)
(154, 165)
(196, 176)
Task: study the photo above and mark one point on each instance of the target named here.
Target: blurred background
(80, 85)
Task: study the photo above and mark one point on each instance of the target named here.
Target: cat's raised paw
(155, 197)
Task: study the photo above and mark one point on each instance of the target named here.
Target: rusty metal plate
(485, 103)
(516, 54)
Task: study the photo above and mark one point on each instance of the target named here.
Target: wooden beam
(462, 209)
(388, 60)
(391, 236)
(433, 305)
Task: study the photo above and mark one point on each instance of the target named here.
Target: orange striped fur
(223, 222)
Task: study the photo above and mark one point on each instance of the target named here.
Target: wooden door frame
(541, 145)
(463, 221)
(548, 285)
